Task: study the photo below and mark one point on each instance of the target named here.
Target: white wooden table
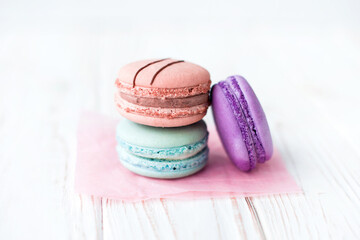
(64, 58)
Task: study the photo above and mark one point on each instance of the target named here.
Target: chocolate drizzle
(167, 65)
(140, 69)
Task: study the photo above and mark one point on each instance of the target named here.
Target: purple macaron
(241, 123)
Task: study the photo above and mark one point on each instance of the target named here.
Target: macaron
(162, 152)
(241, 123)
(163, 92)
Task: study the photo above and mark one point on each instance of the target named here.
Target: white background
(60, 57)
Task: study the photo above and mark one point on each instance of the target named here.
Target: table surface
(307, 81)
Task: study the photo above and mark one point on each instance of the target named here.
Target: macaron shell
(166, 169)
(258, 116)
(152, 137)
(172, 175)
(162, 122)
(228, 130)
(173, 153)
(179, 75)
(162, 92)
(160, 112)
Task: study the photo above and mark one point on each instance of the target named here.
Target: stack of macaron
(164, 136)
(163, 101)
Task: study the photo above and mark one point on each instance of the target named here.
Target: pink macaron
(241, 123)
(163, 92)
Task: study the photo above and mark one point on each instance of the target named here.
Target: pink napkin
(99, 172)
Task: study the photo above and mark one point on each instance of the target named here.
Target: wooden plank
(313, 120)
(175, 219)
(38, 109)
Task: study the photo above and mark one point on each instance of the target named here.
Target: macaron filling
(165, 102)
(260, 151)
(241, 120)
(177, 153)
(164, 165)
(160, 112)
(239, 105)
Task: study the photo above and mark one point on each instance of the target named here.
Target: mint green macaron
(162, 152)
